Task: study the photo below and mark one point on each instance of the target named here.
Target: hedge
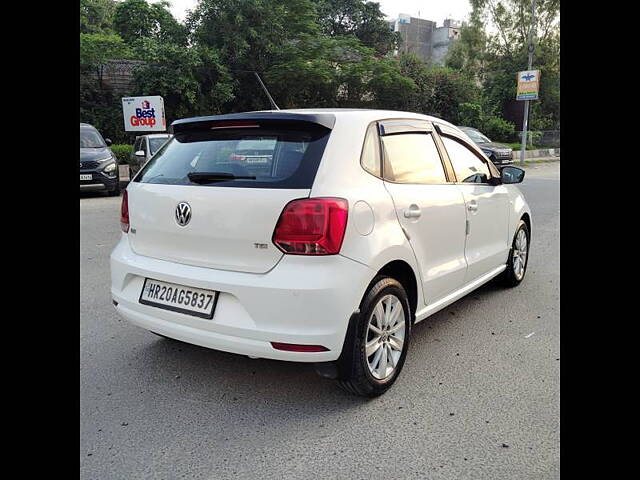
(122, 152)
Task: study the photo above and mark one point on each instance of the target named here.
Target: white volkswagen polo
(314, 236)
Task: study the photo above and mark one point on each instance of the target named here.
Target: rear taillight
(312, 226)
(124, 213)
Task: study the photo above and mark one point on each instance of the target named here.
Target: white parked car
(145, 147)
(315, 236)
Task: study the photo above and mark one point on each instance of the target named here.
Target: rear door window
(278, 156)
(412, 158)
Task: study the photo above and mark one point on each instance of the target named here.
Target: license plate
(179, 298)
(85, 177)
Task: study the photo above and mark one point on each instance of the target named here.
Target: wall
(118, 75)
(417, 37)
(442, 39)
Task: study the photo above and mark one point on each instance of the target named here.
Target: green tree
(101, 107)
(390, 88)
(468, 53)
(359, 18)
(494, 48)
(254, 35)
(192, 80)
(96, 49)
(439, 90)
(136, 20)
(96, 16)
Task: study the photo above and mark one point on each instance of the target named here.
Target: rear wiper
(210, 177)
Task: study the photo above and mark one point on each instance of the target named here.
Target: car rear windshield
(265, 155)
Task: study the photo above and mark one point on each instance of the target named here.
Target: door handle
(473, 206)
(412, 212)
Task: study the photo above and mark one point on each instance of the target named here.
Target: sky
(435, 10)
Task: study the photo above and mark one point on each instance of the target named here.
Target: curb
(123, 173)
(541, 153)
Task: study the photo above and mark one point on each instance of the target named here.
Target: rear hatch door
(213, 194)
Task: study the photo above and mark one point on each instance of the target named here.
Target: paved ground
(478, 397)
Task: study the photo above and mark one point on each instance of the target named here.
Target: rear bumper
(302, 300)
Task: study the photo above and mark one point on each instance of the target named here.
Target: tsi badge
(183, 214)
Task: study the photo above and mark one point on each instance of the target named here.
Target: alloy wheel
(385, 337)
(520, 254)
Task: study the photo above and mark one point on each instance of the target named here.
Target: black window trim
(393, 124)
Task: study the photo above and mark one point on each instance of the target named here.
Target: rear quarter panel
(373, 235)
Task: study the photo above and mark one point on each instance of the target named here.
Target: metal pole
(525, 122)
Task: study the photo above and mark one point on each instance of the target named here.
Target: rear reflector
(312, 226)
(124, 212)
(292, 347)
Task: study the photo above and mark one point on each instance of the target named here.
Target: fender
(517, 208)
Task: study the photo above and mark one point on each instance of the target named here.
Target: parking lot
(478, 397)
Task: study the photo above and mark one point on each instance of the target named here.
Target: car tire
(517, 263)
(115, 192)
(384, 331)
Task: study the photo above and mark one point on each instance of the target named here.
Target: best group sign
(144, 114)
(528, 85)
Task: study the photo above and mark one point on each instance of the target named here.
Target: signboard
(144, 114)
(528, 85)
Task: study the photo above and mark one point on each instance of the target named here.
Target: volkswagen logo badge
(183, 214)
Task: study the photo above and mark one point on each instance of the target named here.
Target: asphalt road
(478, 397)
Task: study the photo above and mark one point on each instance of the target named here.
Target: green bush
(122, 152)
(497, 129)
(470, 115)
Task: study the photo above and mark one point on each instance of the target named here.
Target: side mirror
(108, 142)
(140, 153)
(511, 174)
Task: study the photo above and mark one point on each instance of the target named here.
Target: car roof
(322, 116)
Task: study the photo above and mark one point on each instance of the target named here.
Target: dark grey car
(98, 164)
(498, 153)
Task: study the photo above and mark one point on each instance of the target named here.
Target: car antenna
(273, 103)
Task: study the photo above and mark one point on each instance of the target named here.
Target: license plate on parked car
(179, 298)
(85, 177)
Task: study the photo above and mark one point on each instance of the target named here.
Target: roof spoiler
(242, 120)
